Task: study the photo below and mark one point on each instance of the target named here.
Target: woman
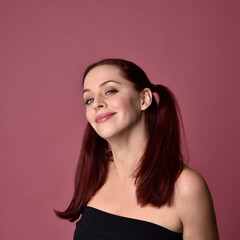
(131, 182)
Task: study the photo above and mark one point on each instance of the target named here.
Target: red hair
(161, 163)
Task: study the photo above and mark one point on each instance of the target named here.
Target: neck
(127, 152)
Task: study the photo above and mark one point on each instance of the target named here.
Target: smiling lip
(104, 117)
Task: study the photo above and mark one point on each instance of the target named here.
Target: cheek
(132, 103)
(119, 103)
(88, 116)
(129, 107)
(124, 103)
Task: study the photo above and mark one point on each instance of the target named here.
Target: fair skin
(116, 112)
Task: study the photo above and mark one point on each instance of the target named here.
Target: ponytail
(162, 161)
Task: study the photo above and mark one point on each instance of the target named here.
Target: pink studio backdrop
(190, 46)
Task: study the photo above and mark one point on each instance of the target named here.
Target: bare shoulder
(191, 184)
(195, 206)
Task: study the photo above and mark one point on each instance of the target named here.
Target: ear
(146, 98)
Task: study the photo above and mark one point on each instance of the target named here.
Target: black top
(99, 225)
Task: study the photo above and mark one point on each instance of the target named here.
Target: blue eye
(89, 101)
(111, 91)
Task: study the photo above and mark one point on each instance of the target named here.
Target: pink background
(190, 46)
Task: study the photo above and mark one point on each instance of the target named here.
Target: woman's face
(113, 106)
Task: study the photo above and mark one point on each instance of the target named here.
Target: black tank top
(99, 225)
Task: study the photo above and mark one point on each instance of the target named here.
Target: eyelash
(109, 92)
(112, 91)
(88, 101)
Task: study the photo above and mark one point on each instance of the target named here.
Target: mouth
(104, 117)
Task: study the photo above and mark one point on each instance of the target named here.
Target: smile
(103, 117)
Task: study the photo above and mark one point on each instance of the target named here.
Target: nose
(99, 103)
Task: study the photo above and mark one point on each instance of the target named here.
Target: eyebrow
(101, 85)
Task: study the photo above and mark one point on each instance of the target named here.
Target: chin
(106, 133)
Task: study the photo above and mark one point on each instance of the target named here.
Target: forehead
(103, 73)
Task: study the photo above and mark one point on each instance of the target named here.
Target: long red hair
(161, 163)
